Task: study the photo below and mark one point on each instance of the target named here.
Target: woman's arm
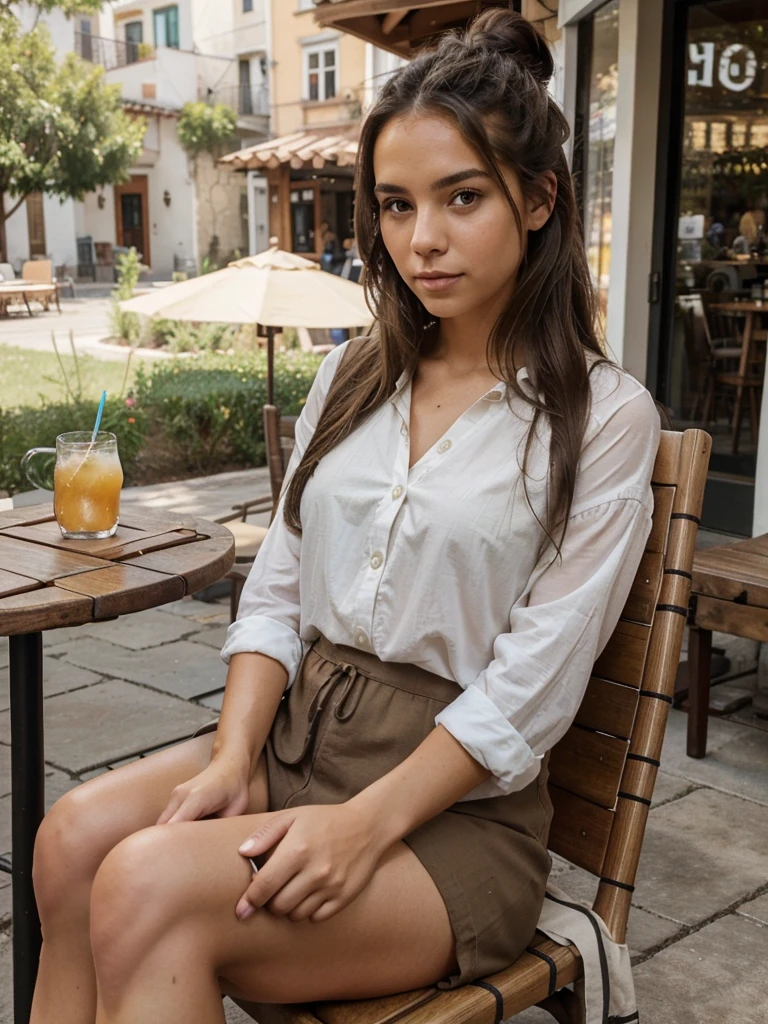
(436, 775)
(255, 684)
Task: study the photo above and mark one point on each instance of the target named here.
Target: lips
(437, 282)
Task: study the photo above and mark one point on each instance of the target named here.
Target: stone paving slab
(701, 853)
(6, 985)
(757, 909)
(56, 785)
(213, 636)
(202, 611)
(182, 668)
(5, 771)
(111, 720)
(736, 761)
(668, 787)
(214, 702)
(715, 976)
(58, 677)
(138, 631)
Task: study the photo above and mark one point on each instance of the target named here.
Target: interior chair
(602, 773)
(7, 273)
(279, 435)
(316, 340)
(708, 368)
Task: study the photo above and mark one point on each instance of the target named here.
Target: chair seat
(527, 982)
(248, 539)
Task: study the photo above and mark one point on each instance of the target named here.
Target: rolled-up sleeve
(527, 697)
(269, 614)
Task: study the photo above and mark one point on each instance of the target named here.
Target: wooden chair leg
(699, 664)
(737, 414)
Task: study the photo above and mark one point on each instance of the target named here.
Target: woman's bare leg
(166, 940)
(74, 838)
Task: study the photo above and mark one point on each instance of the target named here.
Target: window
(320, 71)
(166, 21)
(247, 6)
(602, 67)
(134, 37)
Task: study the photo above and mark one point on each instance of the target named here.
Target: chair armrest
(244, 509)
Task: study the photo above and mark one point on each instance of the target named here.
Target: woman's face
(446, 224)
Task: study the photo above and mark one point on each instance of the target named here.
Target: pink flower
(130, 402)
(131, 419)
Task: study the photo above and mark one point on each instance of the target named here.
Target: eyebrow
(384, 188)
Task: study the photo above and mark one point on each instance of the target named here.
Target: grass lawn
(31, 378)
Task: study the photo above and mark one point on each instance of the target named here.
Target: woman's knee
(70, 844)
(137, 900)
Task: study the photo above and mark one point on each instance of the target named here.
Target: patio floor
(699, 925)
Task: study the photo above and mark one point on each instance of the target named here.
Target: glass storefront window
(717, 356)
(598, 143)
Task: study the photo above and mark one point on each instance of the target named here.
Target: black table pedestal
(28, 807)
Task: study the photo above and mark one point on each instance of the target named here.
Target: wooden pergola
(401, 26)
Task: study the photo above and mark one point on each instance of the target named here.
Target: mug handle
(29, 469)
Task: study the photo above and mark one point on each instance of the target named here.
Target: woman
(468, 503)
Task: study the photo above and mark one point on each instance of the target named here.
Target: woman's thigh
(188, 879)
(85, 824)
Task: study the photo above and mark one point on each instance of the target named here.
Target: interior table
(47, 582)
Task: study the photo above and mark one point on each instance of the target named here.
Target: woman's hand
(222, 789)
(324, 857)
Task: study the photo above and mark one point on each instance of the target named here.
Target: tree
(62, 129)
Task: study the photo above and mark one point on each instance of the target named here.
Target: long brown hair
(492, 83)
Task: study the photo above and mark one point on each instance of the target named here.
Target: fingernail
(247, 846)
(244, 910)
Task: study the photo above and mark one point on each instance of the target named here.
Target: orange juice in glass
(86, 484)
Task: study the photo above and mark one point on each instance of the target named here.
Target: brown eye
(396, 206)
(467, 197)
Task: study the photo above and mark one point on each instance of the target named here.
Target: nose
(429, 236)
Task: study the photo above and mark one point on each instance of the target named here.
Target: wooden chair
(279, 434)
(602, 772)
(41, 272)
(705, 360)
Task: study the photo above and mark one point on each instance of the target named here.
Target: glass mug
(86, 483)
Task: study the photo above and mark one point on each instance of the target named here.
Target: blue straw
(99, 414)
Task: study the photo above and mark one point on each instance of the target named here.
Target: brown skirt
(347, 720)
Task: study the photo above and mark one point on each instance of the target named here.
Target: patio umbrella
(275, 289)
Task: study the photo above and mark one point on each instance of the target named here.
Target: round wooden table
(47, 582)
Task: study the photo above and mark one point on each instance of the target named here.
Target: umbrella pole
(270, 365)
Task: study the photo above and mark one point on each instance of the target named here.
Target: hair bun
(511, 34)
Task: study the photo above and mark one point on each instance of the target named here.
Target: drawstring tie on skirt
(344, 709)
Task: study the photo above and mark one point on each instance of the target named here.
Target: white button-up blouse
(439, 565)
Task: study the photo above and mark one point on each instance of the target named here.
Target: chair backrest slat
(580, 829)
(603, 770)
(608, 707)
(589, 764)
(623, 659)
(280, 438)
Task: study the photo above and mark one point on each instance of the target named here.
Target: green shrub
(209, 408)
(25, 428)
(179, 336)
(126, 326)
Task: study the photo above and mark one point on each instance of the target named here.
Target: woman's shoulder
(615, 393)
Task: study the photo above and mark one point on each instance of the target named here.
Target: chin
(446, 308)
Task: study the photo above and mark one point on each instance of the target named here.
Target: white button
(443, 446)
(377, 560)
(361, 638)
(397, 492)
(404, 430)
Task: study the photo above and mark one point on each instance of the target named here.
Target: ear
(541, 206)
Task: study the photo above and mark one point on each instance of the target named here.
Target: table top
(737, 571)
(47, 581)
(26, 286)
(750, 306)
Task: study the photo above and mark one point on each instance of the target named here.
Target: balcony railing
(247, 100)
(109, 53)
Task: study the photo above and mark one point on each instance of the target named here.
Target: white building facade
(174, 210)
